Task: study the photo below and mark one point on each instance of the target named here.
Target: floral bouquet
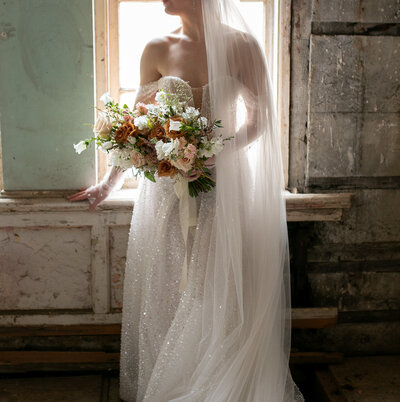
(168, 138)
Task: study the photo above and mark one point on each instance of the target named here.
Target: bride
(206, 306)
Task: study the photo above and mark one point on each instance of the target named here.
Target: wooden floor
(360, 379)
(356, 379)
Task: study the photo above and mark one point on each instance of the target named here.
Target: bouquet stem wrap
(187, 217)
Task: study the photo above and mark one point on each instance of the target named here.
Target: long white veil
(245, 316)
(244, 351)
(231, 333)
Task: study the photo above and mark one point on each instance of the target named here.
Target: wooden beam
(24, 361)
(316, 358)
(45, 356)
(314, 317)
(301, 318)
(61, 330)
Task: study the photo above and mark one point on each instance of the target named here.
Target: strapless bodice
(172, 84)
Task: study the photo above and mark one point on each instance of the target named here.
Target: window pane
(139, 22)
(253, 12)
(127, 97)
(135, 32)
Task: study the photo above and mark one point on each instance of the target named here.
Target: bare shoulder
(154, 55)
(243, 40)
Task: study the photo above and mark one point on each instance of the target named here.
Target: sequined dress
(160, 326)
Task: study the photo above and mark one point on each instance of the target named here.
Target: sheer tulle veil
(244, 350)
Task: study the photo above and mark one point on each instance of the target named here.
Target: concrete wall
(345, 136)
(46, 86)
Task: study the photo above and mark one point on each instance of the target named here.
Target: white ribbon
(187, 217)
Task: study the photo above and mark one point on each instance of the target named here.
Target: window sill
(299, 207)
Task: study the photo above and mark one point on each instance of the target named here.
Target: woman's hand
(113, 179)
(94, 194)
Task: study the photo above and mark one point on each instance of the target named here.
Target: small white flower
(170, 147)
(217, 146)
(161, 97)
(141, 122)
(159, 149)
(190, 113)
(211, 148)
(203, 122)
(106, 145)
(175, 125)
(132, 140)
(151, 108)
(106, 98)
(121, 158)
(80, 147)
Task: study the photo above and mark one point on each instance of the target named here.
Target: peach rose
(166, 169)
(157, 132)
(126, 130)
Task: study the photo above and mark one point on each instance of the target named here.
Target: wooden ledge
(299, 207)
(316, 207)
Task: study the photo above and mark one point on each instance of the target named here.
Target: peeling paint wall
(60, 264)
(345, 136)
(47, 87)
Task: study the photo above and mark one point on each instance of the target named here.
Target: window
(120, 37)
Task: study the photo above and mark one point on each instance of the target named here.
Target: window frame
(277, 41)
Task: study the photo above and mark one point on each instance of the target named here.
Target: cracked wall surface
(345, 137)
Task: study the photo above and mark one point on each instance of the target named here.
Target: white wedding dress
(160, 326)
(155, 334)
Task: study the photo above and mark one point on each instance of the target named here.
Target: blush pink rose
(184, 164)
(137, 159)
(128, 118)
(182, 143)
(141, 109)
(190, 151)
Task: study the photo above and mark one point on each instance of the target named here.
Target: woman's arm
(146, 94)
(255, 91)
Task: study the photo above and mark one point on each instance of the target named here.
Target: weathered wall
(60, 263)
(345, 136)
(46, 86)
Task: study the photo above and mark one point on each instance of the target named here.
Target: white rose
(106, 98)
(80, 147)
(141, 122)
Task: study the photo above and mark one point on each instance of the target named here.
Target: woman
(220, 331)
